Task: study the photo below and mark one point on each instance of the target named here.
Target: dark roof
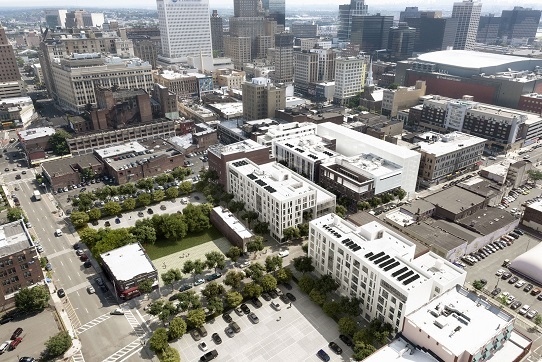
(487, 221)
(418, 206)
(65, 166)
(484, 188)
(455, 199)
(430, 233)
(520, 164)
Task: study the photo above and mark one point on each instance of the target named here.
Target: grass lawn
(165, 247)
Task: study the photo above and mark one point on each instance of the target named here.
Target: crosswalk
(85, 327)
(78, 357)
(129, 349)
(74, 319)
(136, 325)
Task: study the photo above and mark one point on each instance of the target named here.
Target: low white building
(18, 111)
(285, 131)
(353, 143)
(277, 194)
(377, 265)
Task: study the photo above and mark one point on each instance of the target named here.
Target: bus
(130, 293)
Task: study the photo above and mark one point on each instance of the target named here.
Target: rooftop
(459, 320)
(418, 207)
(400, 350)
(454, 199)
(279, 180)
(112, 151)
(14, 238)
(441, 234)
(469, 59)
(33, 133)
(499, 169)
(133, 154)
(243, 146)
(128, 262)
(233, 222)
(439, 144)
(487, 221)
(481, 186)
(64, 166)
(310, 146)
(536, 206)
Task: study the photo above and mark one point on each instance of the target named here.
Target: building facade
(519, 23)
(261, 99)
(377, 265)
(217, 34)
(282, 56)
(467, 14)
(346, 12)
(185, 29)
(349, 78)
(11, 84)
(277, 194)
(371, 32)
(394, 100)
(232, 228)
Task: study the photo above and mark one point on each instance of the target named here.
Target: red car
(15, 343)
(83, 257)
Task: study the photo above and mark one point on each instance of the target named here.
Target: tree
(85, 200)
(234, 278)
(268, 282)
(195, 318)
(234, 253)
(332, 309)
(177, 327)
(216, 260)
(252, 289)
(145, 234)
(185, 187)
(145, 286)
(393, 86)
(173, 226)
(216, 304)
(317, 297)
(272, 263)
(250, 216)
(348, 326)
(168, 277)
(234, 299)
(58, 344)
(213, 289)
(364, 205)
(340, 210)
(129, 204)
(15, 213)
(303, 229)
(326, 284)
(196, 218)
(306, 284)
(283, 275)
(127, 189)
(350, 306)
(32, 299)
(59, 144)
(237, 206)
(158, 195)
(143, 199)
(145, 184)
(172, 192)
(537, 320)
(363, 350)
(400, 193)
(112, 208)
(193, 266)
(155, 308)
(79, 219)
(159, 340)
(290, 233)
(89, 237)
(255, 271)
(477, 284)
(535, 174)
(255, 245)
(261, 228)
(170, 354)
(303, 264)
(94, 214)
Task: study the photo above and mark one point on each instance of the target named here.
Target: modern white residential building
(349, 77)
(185, 29)
(352, 143)
(304, 154)
(77, 77)
(277, 194)
(286, 131)
(442, 155)
(467, 14)
(377, 265)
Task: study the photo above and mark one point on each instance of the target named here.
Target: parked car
(185, 287)
(515, 305)
(275, 306)
(513, 280)
(323, 355)
(524, 309)
(245, 308)
(496, 291)
(335, 348)
(4, 346)
(15, 343)
(291, 297)
(199, 282)
(531, 313)
(229, 332)
(202, 331)
(266, 297)
(216, 338)
(61, 293)
(256, 302)
(195, 334)
(227, 317)
(235, 327)
(506, 275)
(117, 311)
(16, 333)
(284, 299)
(347, 340)
(528, 288)
(213, 276)
(253, 318)
(209, 356)
(535, 291)
(520, 283)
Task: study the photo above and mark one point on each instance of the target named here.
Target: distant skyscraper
(276, 9)
(185, 28)
(519, 23)
(371, 32)
(11, 84)
(261, 99)
(55, 18)
(74, 19)
(488, 29)
(282, 58)
(217, 33)
(356, 7)
(468, 15)
(245, 8)
(401, 42)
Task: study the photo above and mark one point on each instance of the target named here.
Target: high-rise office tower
(433, 32)
(245, 8)
(55, 18)
(519, 23)
(371, 32)
(488, 29)
(401, 42)
(74, 19)
(467, 14)
(217, 34)
(349, 78)
(346, 12)
(282, 58)
(11, 84)
(276, 10)
(185, 29)
(306, 70)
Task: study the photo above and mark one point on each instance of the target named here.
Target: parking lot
(291, 334)
(486, 269)
(37, 330)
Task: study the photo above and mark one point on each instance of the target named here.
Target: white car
(284, 253)
(203, 346)
(499, 272)
(532, 313)
(90, 290)
(275, 306)
(524, 309)
(4, 346)
(520, 284)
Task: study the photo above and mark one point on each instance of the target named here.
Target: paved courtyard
(301, 331)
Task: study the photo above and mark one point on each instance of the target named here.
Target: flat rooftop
(279, 180)
(128, 262)
(33, 133)
(310, 146)
(487, 221)
(400, 350)
(439, 144)
(233, 222)
(439, 233)
(117, 150)
(64, 166)
(369, 164)
(499, 169)
(478, 319)
(469, 59)
(131, 156)
(454, 199)
(536, 206)
(242, 146)
(14, 238)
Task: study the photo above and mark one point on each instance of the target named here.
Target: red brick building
(531, 102)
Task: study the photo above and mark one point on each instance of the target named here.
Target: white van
(58, 232)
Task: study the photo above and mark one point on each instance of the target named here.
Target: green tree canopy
(252, 289)
(32, 299)
(195, 318)
(58, 344)
(283, 275)
(268, 282)
(144, 234)
(112, 208)
(195, 218)
(177, 327)
(15, 213)
(234, 299)
(94, 214)
(213, 289)
(348, 326)
(79, 219)
(158, 195)
(303, 264)
(59, 144)
(215, 259)
(272, 263)
(234, 253)
(317, 297)
(172, 192)
(234, 278)
(170, 354)
(143, 199)
(159, 340)
(185, 187)
(306, 284)
(128, 204)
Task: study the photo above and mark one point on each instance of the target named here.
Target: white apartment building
(443, 155)
(286, 131)
(277, 194)
(352, 143)
(185, 29)
(303, 154)
(77, 76)
(375, 264)
(349, 77)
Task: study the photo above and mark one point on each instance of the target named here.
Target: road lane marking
(116, 357)
(85, 327)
